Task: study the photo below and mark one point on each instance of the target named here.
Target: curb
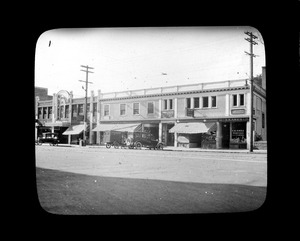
(187, 150)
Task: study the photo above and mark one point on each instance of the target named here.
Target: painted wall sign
(167, 113)
(238, 111)
(189, 112)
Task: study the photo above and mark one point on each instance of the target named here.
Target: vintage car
(133, 140)
(145, 139)
(48, 137)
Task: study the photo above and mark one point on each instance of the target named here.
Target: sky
(146, 57)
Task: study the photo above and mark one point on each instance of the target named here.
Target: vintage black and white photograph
(150, 120)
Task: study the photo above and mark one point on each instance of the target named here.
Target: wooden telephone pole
(86, 70)
(252, 42)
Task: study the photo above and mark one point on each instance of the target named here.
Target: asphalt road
(196, 167)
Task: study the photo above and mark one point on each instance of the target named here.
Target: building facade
(205, 115)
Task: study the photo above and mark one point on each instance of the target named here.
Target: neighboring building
(207, 115)
(42, 93)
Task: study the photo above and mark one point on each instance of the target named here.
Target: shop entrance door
(225, 135)
(170, 138)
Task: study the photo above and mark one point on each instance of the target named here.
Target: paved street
(108, 181)
(201, 167)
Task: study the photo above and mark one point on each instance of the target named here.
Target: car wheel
(116, 145)
(160, 147)
(108, 145)
(138, 145)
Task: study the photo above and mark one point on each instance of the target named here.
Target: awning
(117, 127)
(74, 130)
(193, 128)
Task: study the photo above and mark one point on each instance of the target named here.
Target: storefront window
(238, 132)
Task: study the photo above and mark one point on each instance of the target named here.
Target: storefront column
(175, 108)
(159, 108)
(69, 139)
(219, 135)
(248, 134)
(91, 133)
(160, 132)
(98, 113)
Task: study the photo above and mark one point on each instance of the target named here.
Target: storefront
(195, 134)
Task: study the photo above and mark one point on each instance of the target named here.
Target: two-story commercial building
(205, 115)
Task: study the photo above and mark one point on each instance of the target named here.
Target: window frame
(148, 113)
(186, 102)
(212, 101)
(134, 108)
(205, 107)
(171, 104)
(198, 102)
(235, 99)
(239, 101)
(105, 110)
(122, 104)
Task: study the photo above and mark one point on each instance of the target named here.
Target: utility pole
(252, 42)
(86, 70)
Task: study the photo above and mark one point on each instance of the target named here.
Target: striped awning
(118, 127)
(193, 128)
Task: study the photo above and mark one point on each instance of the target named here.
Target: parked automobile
(145, 139)
(48, 137)
(135, 140)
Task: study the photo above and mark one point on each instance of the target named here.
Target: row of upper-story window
(203, 102)
(168, 104)
(63, 111)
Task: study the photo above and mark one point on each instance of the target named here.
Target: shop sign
(189, 112)
(238, 111)
(182, 139)
(167, 113)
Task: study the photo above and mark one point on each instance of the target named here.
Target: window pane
(150, 108)
(188, 102)
(171, 104)
(241, 99)
(122, 109)
(213, 101)
(234, 100)
(205, 101)
(165, 104)
(74, 110)
(196, 102)
(106, 110)
(136, 107)
(80, 108)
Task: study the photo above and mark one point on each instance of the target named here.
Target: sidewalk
(182, 149)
